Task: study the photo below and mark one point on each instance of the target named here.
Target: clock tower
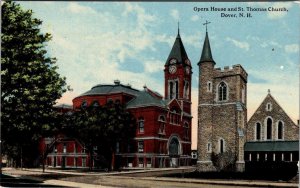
(178, 76)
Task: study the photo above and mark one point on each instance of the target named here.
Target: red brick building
(163, 134)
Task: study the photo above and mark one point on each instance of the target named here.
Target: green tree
(101, 126)
(30, 84)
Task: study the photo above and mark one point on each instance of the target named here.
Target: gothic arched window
(222, 91)
(280, 130)
(174, 146)
(258, 131)
(269, 129)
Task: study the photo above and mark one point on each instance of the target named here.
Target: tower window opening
(171, 90)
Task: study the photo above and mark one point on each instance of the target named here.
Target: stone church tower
(222, 112)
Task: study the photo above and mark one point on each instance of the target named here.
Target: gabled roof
(178, 52)
(270, 98)
(174, 102)
(146, 98)
(206, 55)
(272, 146)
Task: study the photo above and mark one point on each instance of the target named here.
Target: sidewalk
(227, 182)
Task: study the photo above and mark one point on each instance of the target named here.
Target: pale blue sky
(98, 42)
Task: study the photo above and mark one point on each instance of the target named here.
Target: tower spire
(206, 55)
(178, 28)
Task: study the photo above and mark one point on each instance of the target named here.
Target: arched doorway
(174, 151)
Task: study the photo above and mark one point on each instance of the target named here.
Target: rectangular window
(141, 146)
(141, 162)
(83, 162)
(141, 126)
(117, 147)
(65, 148)
(149, 163)
(209, 147)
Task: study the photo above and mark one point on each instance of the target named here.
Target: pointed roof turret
(206, 55)
(178, 52)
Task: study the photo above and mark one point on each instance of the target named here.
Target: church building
(271, 134)
(222, 112)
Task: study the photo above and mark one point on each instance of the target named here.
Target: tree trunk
(43, 165)
(112, 161)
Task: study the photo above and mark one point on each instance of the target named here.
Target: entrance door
(174, 162)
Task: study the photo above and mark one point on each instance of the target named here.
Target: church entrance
(174, 152)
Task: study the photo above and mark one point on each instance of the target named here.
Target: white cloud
(97, 52)
(242, 45)
(175, 14)
(279, 14)
(165, 39)
(195, 18)
(192, 40)
(291, 48)
(153, 66)
(76, 8)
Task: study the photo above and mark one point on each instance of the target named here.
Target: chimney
(117, 82)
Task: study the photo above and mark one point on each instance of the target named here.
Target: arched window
(280, 130)
(222, 91)
(84, 104)
(258, 131)
(221, 146)
(141, 125)
(174, 146)
(269, 106)
(209, 86)
(95, 104)
(269, 129)
(162, 125)
(171, 90)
